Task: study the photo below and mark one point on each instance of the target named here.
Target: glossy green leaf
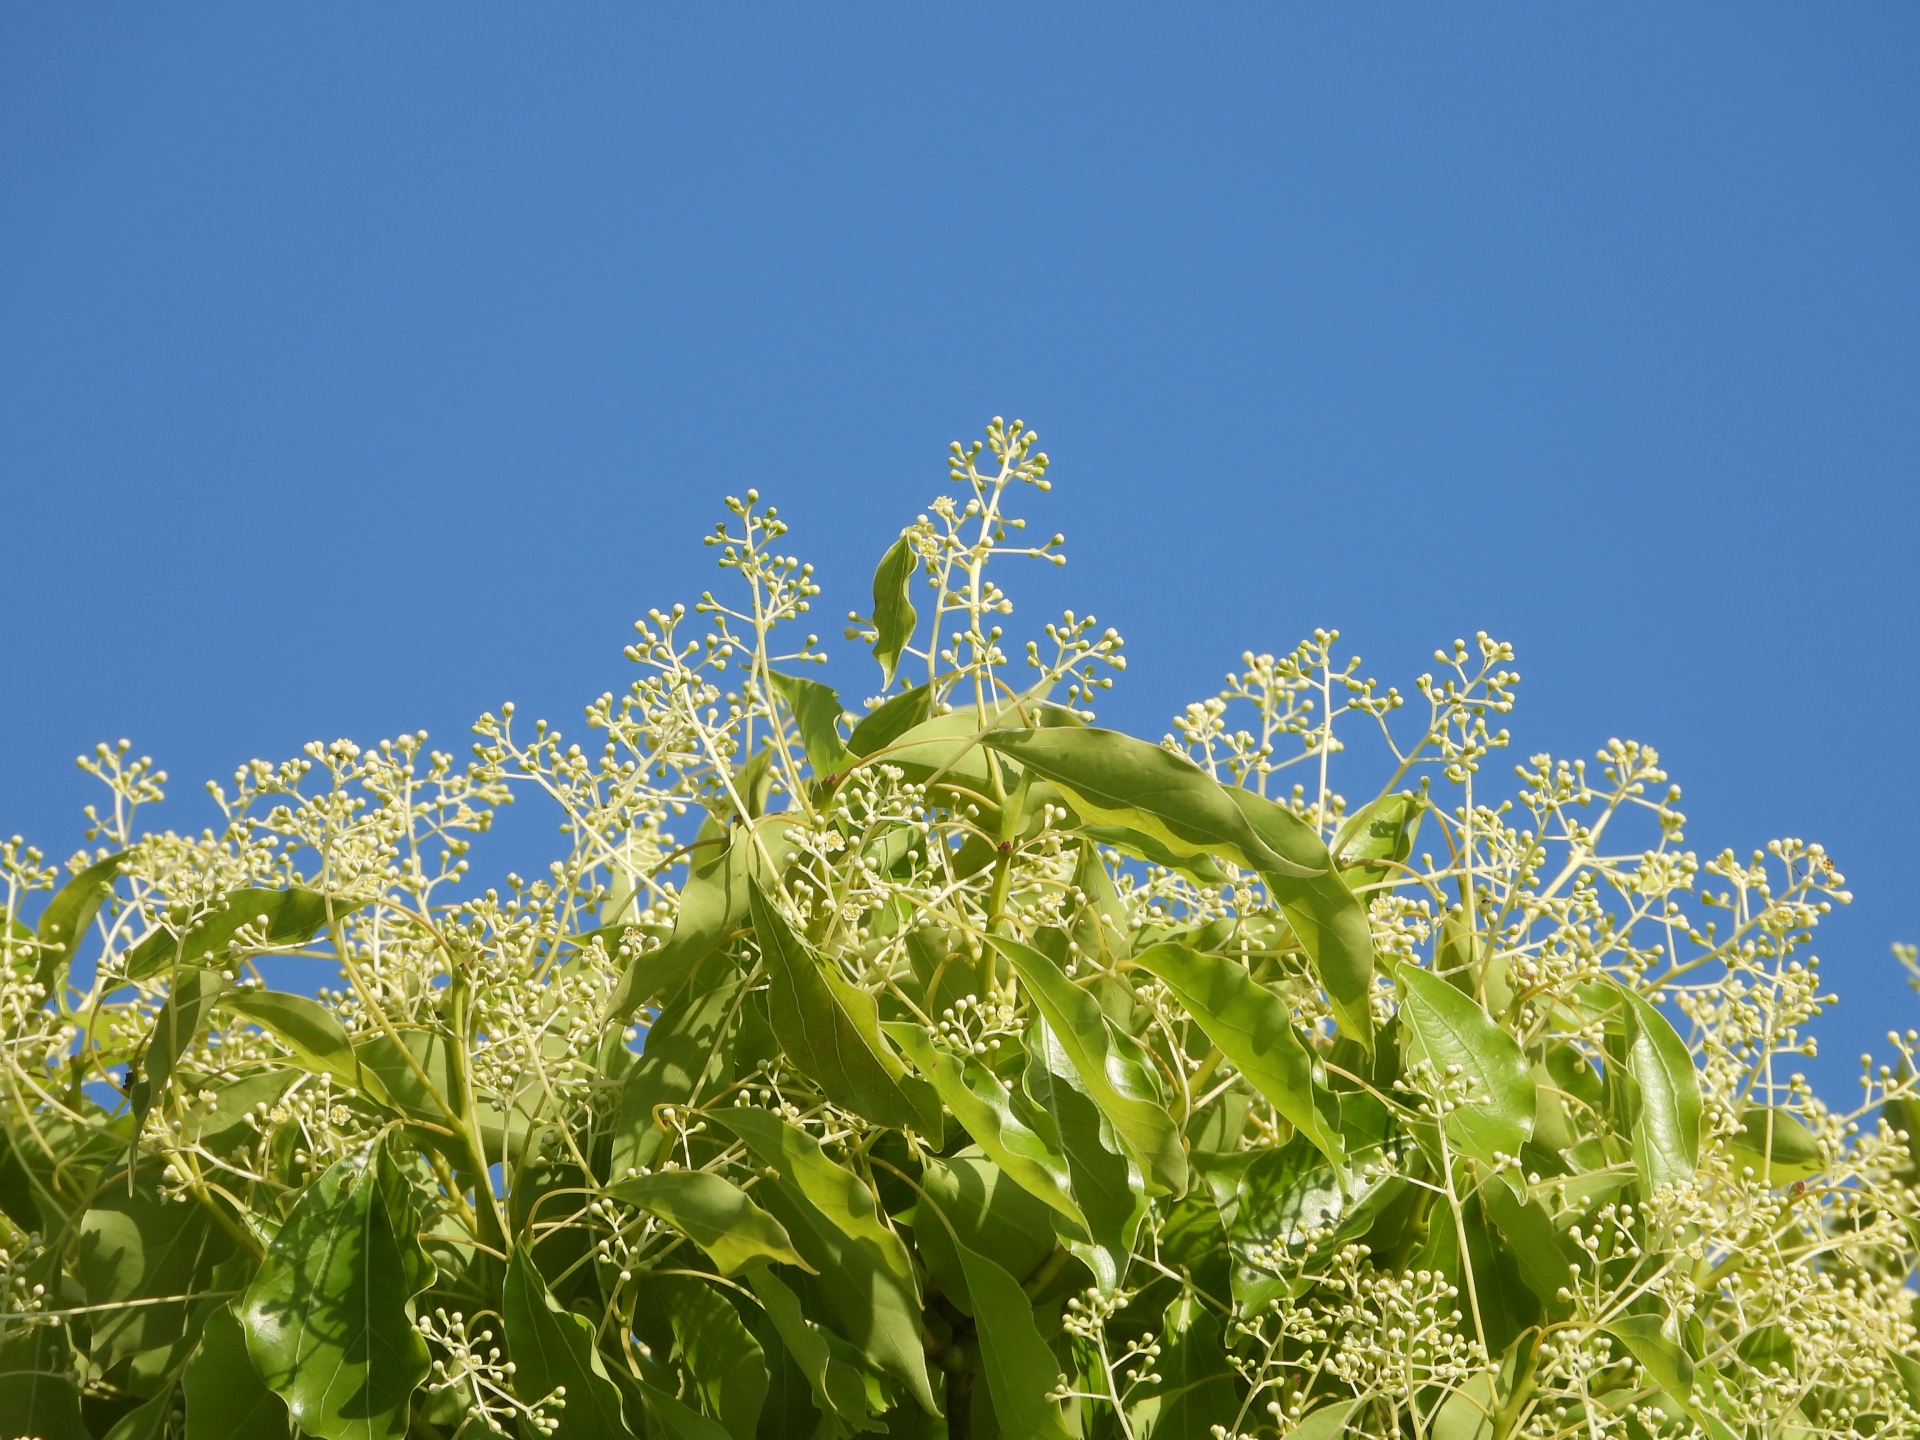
(816, 715)
(893, 613)
(279, 919)
(838, 1391)
(1114, 779)
(1327, 1423)
(311, 1031)
(670, 1417)
(226, 1398)
(181, 1018)
(1666, 1364)
(63, 924)
(147, 1421)
(551, 1347)
(880, 728)
(1110, 1065)
(1451, 1029)
(1196, 1389)
(684, 1052)
(990, 1214)
(715, 1214)
(829, 1028)
(1666, 1131)
(1107, 1185)
(866, 1279)
(713, 909)
(1253, 1029)
(142, 1246)
(1375, 841)
(38, 1397)
(329, 1315)
(727, 1365)
(1145, 847)
(984, 1108)
(1330, 922)
(1019, 1368)
(1777, 1145)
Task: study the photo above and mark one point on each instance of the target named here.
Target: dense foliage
(970, 1070)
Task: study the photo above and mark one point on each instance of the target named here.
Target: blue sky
(364, 366)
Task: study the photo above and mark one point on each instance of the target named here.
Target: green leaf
(1196, 1389)
(866, 1280)
(329, 1317)
(1665, 1362)
(816, 714)
(1329, 921)
(1111, 1065)
(143, 1246)
(1451, 1029)
(1535, 1242)
(145, 1422)
(226, 1398)
(63, 924)
(838, 1391)
(714, 1214)
(829, 1028)
(893, 614)
(1114, 779)
(1779, 1147)
(683, 1052)
(37, 1395)
(1107, 1186)
(280, 919)
(880, 728)
(672, 1418)
(1327, 1423)
(1253, 1029)
(992, 1215)
(1377, 838)
(727, 1365)
(1019, 1367)
(1147, 848)
(314, 1033)
(984, 1108)
(551, 1347)
(16, 1189)
(179, 1022)
(1666, 1132)
(713, 909)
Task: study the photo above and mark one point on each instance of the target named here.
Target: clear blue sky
(363, 366)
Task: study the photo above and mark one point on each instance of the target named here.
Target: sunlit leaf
(226, 1398)
(713, 908)
(727, 1365)
(990, 1214)
(277, 919)
(893, 614)
(1252, 1028)
(1107, 1186)
(143, 1246)
(178, 1024)
(837, 1389)
(1110, 1065)
(866, 1279)
(829, 1028)
(1666, 1363)
(1376, 839)
(329, 1315)
(1196, 1390)
(984, 1108)
(1331, 924)
(1451, 1030)
(880, 728)
(684, 1049)
(63, 924)
(1666, 1131)
(816, 714)
(1777, 1145)
(313, 1032)
(715, 1214)
(552, 1348)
